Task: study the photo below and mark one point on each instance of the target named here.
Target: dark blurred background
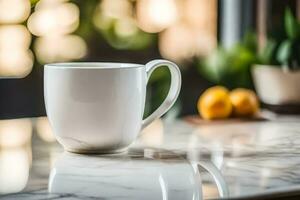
(188, 32)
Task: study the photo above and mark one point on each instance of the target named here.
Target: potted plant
(230, 67)
(277, 77)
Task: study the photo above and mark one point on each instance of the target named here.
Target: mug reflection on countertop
(126, 177)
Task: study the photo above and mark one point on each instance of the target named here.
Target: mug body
(95, 107)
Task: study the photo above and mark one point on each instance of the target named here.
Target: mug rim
(92, 65)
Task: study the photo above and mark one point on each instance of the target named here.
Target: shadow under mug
(131, 178)
(98, 107)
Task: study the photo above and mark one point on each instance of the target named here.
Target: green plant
(231, 67)
(284, 51)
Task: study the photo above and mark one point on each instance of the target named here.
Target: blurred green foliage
(33, 2)
(231, 67)
(284, 49)
(139, 40)
(122, 32)
(157, 89)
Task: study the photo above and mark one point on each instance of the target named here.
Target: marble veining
(171, 160)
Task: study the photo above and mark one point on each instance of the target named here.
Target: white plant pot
(275, 86)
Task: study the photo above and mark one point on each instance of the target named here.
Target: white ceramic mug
(98, 107)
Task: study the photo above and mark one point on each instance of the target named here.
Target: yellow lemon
(244, 102)
(215, 103)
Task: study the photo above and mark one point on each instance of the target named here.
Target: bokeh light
(48, 3)
(110, 12)
(155, 15)
(200, 13)
(193, 34)
(16, 63)
(126, 27)
(14, 37)
(116, 22)
(14, 169)
(201, 16)
(16, 59)
(14, 11)
(177, 42)
(116, 8)
(54, 19)
(53, 22)
(59, 48)
(15, 132)
(44, 129)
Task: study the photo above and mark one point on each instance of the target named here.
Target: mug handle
(173, 91)
(216, 174)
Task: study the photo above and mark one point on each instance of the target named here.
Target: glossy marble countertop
(171, 160)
